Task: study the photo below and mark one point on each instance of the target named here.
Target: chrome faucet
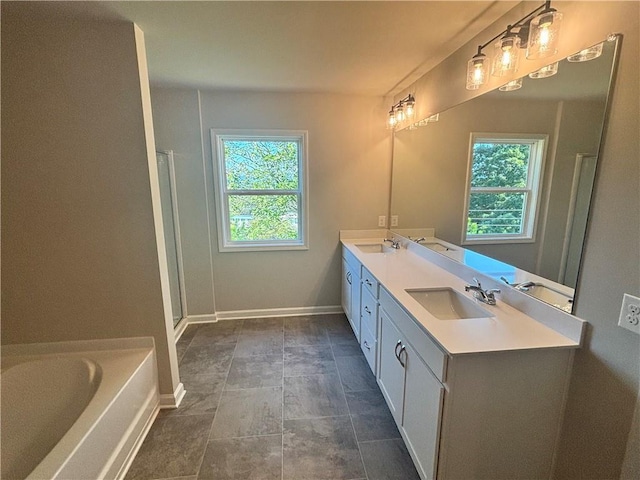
(522, 286)
(418, 240)
(485, 296)
(394, 243)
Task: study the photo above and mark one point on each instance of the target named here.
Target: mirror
(432, 167)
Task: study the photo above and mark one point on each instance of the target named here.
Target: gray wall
(78, 234)
(349, 163)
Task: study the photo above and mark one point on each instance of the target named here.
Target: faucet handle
(505, 280)
(477, 282)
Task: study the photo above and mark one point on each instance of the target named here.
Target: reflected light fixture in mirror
(546, 71)
(586, 54)
(512, 85)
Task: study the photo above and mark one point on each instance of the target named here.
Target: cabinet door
(391, 371)
(346, 288)
(421, 418)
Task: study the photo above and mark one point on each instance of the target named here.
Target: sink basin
(447, 304)
(438, 247)
(374, 248)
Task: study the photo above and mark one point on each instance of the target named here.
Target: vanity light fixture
(586, 54)
(512, 85)
(546, 71)
(401, 111)
(537, 31)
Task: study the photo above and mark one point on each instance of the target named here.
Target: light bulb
(410, 107)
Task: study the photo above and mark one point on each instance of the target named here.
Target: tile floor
(274, 398)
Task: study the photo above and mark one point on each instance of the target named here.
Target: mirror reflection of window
(502, 194)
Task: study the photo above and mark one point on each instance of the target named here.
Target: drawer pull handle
(366, 309)
(366, 345)
(368, 282)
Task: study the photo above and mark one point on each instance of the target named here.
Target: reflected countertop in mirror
(433, 165)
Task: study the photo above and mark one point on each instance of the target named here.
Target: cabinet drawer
(370, 282)
(369, 311)
(422, 343)
(368, 345)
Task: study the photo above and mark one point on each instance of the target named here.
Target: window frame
(225, 244)
(533, 189)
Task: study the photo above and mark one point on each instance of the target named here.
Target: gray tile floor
(274, 398)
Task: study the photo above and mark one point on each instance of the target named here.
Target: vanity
(476, 390)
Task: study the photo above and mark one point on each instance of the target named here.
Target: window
(262, 189)
(503, 184)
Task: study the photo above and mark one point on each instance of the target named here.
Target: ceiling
(359, 47)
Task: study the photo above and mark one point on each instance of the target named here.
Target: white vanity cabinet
(351, 290)
(473, 416)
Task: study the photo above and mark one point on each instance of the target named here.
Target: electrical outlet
(394, 220)
(630, 313)
(382, 221)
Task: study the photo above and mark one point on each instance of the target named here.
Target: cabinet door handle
(396, 349)
(366, 345)
(368, 282)
(366, 309)
(403, 349)
(349, 278)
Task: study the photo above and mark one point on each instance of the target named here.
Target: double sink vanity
(476, 389)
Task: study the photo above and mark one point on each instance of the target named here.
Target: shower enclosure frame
(182, 323)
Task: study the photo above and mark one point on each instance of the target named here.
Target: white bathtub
(75, 410)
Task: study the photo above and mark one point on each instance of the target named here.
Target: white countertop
(507, 329)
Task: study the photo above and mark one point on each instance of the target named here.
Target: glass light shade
(586, 54)
(545, 72)
(409, 108)
(506, 56)
(511, 86)
(400, 113)
(543, 34)
(391, 122)
(477, 71)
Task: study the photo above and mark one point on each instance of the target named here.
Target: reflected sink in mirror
(374, 248)
(551, 296)
(447, 304)
(438, 247)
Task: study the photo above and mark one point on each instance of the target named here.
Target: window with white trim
(503, 186)
(261, 178)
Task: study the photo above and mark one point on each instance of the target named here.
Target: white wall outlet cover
(394, 220)
(382, 221)
(630, 313)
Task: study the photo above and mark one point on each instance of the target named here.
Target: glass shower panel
(165, 176)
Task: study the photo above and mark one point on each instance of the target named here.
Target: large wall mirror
(530, 212)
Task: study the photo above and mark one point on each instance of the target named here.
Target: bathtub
(75, 410)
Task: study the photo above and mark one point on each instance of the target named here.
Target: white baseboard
(278, 312)
(207, 318)
(172, 400)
